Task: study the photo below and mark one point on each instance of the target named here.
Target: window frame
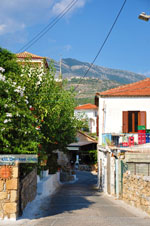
(125, 120)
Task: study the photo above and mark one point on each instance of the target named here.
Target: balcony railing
(125, 139)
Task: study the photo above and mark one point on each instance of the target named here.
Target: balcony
(123, 140)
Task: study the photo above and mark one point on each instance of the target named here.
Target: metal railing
(125, 139)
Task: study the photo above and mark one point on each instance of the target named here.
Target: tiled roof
(28, 55)
(86, 135)
(86, 106)
(141, 88)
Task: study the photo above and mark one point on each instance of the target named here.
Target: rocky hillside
(98, 78)
(73, 68)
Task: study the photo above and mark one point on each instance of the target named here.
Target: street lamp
(143, 16)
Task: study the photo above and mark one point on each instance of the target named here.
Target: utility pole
(60, 71)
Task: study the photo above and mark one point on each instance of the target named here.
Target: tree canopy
(8, 62)
(36, 112)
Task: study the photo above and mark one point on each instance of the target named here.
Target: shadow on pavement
(72, 197)
(69, 198)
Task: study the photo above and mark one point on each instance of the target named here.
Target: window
(133, 119)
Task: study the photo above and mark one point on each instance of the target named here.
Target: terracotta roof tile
(28, 55)
(86, 135)
(86, 106)
(140, 88)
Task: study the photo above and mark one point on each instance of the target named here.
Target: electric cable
(48, 27)
(103, 44)
(62, 14)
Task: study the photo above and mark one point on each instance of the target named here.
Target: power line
(49, 26)
(102, 46)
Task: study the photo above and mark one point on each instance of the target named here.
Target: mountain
(72, 68)
(97, 79)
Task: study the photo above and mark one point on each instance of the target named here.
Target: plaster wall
(90, 114)
(48, 185)
(41, 61)
(111, 108)
(112, 177)
(104, 171)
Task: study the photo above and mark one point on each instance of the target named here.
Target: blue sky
(81, 32)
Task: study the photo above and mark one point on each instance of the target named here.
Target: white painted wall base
(48, 185)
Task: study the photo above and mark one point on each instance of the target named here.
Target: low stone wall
(28, 189)
(84, 167)
(66, 177)
(136, 191)
(9, 195)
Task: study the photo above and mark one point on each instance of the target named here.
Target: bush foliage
(36, 112)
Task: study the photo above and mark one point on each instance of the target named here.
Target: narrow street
(80, 204)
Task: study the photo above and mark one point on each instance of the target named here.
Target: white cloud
(51, 40)
(23, 5)
(67, 47)
(2, 28)
(16, 15)
(147, 73)
(61, 5)
(10, 26)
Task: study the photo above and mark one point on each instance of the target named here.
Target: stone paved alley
(80, 204)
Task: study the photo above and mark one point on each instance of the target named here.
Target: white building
(26, 57)
(122, 112)
(88, 111)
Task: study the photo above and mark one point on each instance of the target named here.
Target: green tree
(55, 108)
(9, 63)
(35, 109)
(18, 135)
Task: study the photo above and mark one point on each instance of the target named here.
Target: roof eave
(40, 58)
(85, 108)
(122, 95)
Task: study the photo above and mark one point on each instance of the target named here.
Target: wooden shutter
(142, 118)
(125, 122)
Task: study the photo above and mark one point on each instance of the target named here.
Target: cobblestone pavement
(80, 204)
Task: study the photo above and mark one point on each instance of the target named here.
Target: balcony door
(133, 119)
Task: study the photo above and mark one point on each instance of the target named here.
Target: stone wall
(9, 195)
(28, 189)
(66, 177)
(84, 167)
(136, 191)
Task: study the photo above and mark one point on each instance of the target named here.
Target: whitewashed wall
(48, 185)
(112, 176)
(90, 114)
(32, 60)
(111, 108)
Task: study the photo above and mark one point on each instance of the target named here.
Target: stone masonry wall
(84, 167)
(136, 191)
(9, 195)
(28, 189)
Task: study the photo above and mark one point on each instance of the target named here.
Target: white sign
(11, 159)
